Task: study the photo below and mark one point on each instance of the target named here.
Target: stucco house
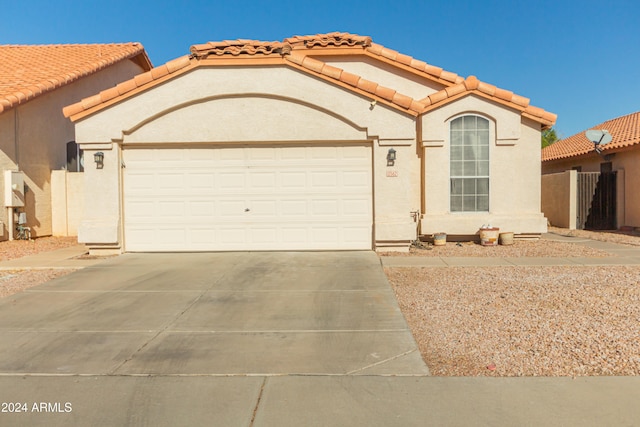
(327, 141)
(36, 82)
(608, 203)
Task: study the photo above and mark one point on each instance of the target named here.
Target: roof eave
(129, 88)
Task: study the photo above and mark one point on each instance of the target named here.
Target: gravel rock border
(15, 281)
(524, 321)
(522, 248)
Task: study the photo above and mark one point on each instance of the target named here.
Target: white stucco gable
(227, 104)
(507, 120)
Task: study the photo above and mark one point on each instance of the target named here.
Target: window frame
(470, 163)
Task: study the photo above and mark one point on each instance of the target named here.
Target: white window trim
(491, 142)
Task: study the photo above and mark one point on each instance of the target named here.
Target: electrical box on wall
(13, 189)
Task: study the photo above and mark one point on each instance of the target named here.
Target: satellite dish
(599, 137)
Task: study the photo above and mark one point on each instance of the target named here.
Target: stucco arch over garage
(245, 118)
(282, 83)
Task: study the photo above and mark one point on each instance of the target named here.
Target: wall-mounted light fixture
(98, 157)
(391, 157)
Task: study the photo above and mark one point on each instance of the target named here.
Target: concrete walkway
(102, 347)
(66, 258)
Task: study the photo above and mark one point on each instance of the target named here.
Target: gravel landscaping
(10, 249)
(14, 281)
(524, 321)
(525, 248)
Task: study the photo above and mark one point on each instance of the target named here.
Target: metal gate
(596, 201)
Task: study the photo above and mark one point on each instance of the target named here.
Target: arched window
(469, 164)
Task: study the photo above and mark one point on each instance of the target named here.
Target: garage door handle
(247, 209)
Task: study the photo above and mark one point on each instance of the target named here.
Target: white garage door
(248, 198)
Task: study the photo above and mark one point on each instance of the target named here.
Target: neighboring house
(318, 142)
(36, 82)
(599, 190)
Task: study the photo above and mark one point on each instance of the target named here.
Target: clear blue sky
(578, 59)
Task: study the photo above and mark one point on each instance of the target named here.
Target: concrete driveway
(212, 314)
(178, 338)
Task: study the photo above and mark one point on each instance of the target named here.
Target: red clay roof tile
(312, 64)
(295, 50)
(454, 90)
(27, 71)
(350, 79)
(367, 85)
(503, 94)
(385, 92)
(333, 72)
(159, 72)
(143, 78)
(329, 39)
(235, 48)
(433, 71)
(473, 85)
(402, 100)
(625, 132)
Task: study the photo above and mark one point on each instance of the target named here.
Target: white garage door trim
(254, 197)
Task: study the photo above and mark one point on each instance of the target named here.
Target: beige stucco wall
(33, 139)
(627, 163)
(514, 155)
(239, 105)
(67, 200)
(559, 198)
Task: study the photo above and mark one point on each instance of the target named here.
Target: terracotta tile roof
(625, 132)
(357, 82)
(329, 39)
(237, 47)
(431, 70)
(472, 85)
(297, 52)
(126, 88)
(27, 71)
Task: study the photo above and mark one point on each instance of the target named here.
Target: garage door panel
(288, 153)
(231, 208)
(356, 180)
(140, 182)
(248, 198)
(141, 210)
(294, 208)
(324, 180)
(356, 234)
(356, 208)
(263, 180)
(231, 181)
(293, 180)
(201, 181)
(324, 153)
(202, 209)
(261, 155)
